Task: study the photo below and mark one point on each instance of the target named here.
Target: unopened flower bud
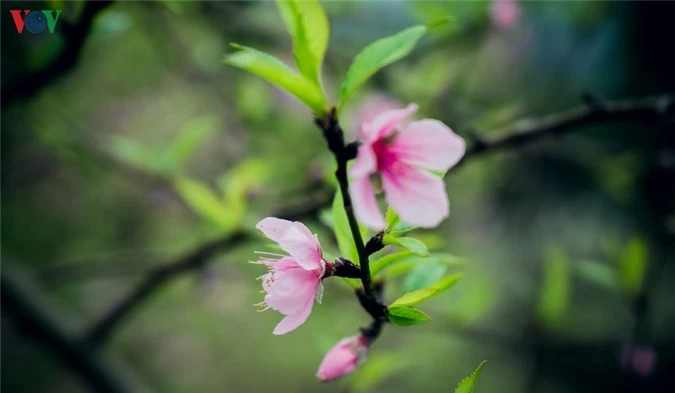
(343, 358)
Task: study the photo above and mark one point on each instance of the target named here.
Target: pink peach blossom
(505, 13)
(404, 155)
(294, 281)
(640, 358)
(343, 358)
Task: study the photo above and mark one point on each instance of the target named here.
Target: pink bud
(343, 358)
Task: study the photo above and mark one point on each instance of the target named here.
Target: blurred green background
(149, 146)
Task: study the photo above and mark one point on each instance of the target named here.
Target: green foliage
(600, 274)
(414, 298)
(395, 227)
(276, 72)
(406, 316)
(189, 138)
(633, 265)
(376, 56)
(555, 289)
(447, 282)
(166, 161)
(236, 185)
(411, 244)
(307, 23)
(423, 275)
(407, 260)
(135, 154)
(391, 219)
(467, 384)
(205, 202)
(387, 260)
(419, 295)
(629, 272)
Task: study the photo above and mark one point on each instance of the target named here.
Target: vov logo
(35, 21)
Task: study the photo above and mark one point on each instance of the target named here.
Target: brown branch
(32, 321)
(74, 36)
(524, 132)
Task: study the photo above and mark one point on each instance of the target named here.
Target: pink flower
(641, 359)
(343, 358)
(404, 155)
(505, 13)
(292, 282)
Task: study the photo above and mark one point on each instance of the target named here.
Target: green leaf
(395, 227)
(633, 265)
(555, 290)
(343, 232)
(276, 72)
(134, 153)
(391, 219)
(401, 229)
(307, 23)
(385, 261)
(423, 275)
(401, 268)
(599, 274)
(415, 297)
(237, 184)
(446, 283)
(441, 22)
(466, 385)
(203, 201)
(190, 137)
(409, 243)
(376, 56)
(406, 316)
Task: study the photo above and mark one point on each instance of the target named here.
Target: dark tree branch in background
(101, 329)
(74, 36)
(524, 132)
(155, 279)
(31, 321)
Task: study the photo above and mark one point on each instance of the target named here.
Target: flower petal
(365, 163)
(301, 244)
(373, 106)
(296, 239)
(365, 204)
(288, 290)
(417, 196)
(274, 228)
(383, 125)
(428, 144)
(291, 322)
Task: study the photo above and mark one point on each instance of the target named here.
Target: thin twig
(74, 37)
(528, 131)
(102, 328)
(31, 321)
